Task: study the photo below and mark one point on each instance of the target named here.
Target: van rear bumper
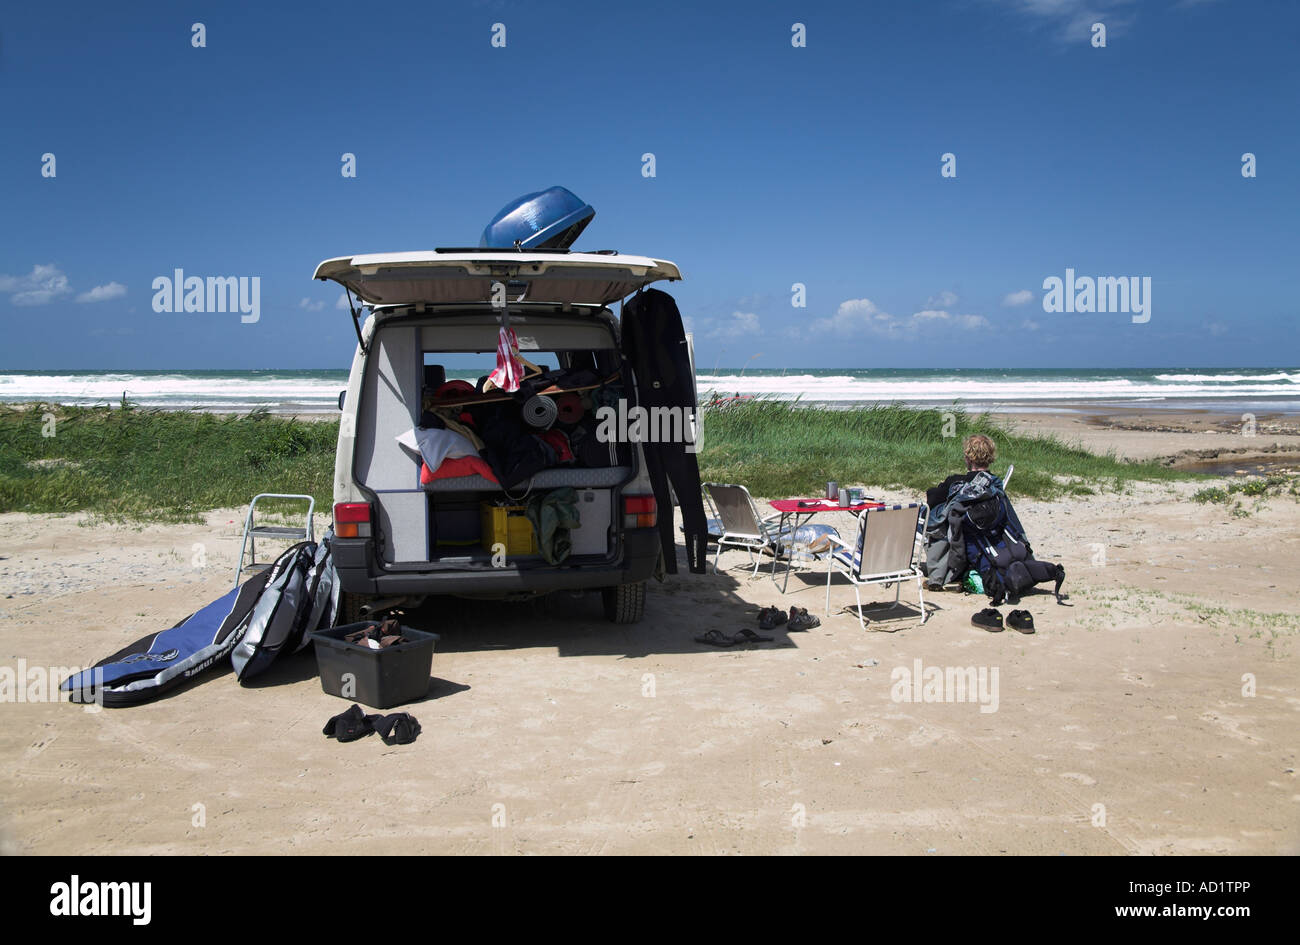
(359, 573)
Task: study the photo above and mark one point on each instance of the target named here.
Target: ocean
(1229, 390)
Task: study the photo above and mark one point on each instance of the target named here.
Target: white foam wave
(982, 390)
(171, 390)
(1229, 378)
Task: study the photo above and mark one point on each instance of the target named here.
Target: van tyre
(624, 603)
(350, 608)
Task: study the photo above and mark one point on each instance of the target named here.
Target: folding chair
(252, 531)
(712, 521)
(884, 551)
(743, 526)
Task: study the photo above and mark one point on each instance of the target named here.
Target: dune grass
(782, 449)
(127, 463)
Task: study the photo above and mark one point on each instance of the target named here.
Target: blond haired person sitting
(980, 452)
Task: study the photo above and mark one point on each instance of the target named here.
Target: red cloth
(451, 468)
(559, 442)
(509, 371)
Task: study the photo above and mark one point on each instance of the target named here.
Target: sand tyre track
(624, 603)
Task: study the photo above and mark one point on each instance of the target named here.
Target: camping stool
(252, 531)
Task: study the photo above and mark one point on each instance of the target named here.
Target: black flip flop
(1021, 620)
(745, 635)
(988, 619)
(715, 638)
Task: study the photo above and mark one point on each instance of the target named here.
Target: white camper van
(404, 530)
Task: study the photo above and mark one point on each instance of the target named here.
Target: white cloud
(102, 293)
(737, 326)
(857, 316)
(944, 299)
(937, 317)
(342, 303)
(853, 316)
(1029, 325)
(311, 306)
(42, 285)
(1071, 20)
(1017, 298)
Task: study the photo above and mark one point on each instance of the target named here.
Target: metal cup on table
(832, 490)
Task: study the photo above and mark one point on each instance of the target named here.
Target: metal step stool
(253, 531)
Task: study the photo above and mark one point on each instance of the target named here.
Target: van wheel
(350, 607)
(624, 603)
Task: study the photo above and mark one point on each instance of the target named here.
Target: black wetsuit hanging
(654, 342)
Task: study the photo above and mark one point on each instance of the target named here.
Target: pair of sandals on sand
(768, 619)
(991, 620)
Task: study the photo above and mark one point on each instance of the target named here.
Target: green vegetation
(1275, 485)
(1257, 489)
(154, 465)
(778, 450)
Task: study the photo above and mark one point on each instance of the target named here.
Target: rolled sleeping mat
(540, 412)
(570, 408)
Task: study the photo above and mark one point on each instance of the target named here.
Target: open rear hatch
(461, 277)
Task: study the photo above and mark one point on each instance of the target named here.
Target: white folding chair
(884, 551)
(253, 531)
(743, 526)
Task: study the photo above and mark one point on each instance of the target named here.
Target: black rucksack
(996, 545)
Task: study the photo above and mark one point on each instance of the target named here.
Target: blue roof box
(548, 219)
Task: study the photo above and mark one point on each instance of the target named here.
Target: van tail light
(352, 520)
(640, 511)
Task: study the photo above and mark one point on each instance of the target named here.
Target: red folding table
(799, 512)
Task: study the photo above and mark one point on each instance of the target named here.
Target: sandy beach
(1158, 713)
(1214, 442)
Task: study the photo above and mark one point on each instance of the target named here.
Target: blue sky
(775, 165)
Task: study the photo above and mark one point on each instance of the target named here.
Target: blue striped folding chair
(884, 551)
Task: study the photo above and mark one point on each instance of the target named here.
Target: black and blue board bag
(271, 613)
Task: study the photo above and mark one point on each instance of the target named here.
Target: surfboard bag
(155, 665)
(271, 613)
(296, 599)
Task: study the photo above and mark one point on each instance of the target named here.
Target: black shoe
(770, 618)
(1021, 620)
(988, 619)
(800, 619)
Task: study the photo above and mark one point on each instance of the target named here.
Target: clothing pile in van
(507, 440)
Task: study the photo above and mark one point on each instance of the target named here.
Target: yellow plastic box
(507, 525)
